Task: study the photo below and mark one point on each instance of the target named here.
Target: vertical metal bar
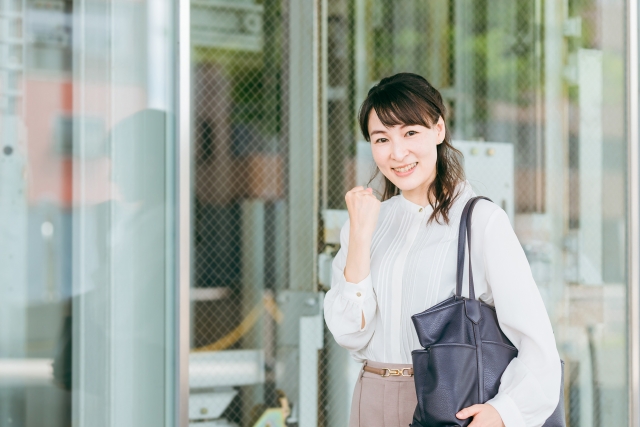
(539, 186)
(253, 285)
(590, 158)
(633, 212)
(303, 143)
(323, 106)
(184, 209)
(464, 71)
(555, 136)
(362, 79)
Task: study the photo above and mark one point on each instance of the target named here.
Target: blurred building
(172, 180)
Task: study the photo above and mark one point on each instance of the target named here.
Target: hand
(483, 416)
(363, 208)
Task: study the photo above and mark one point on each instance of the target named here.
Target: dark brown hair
(409, 99)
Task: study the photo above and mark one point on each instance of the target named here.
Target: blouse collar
(411, 207)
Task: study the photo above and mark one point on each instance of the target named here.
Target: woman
(398, 258)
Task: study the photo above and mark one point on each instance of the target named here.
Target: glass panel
(87, 213)
(536, 93)
(255, 219)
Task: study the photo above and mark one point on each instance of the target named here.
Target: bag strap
(464, 233)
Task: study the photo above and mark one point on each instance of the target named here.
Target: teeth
(406, 168)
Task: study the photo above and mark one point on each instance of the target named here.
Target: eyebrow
(402, 126)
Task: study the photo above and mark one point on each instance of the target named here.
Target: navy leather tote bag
(464, 351)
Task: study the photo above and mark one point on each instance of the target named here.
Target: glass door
(87, 213)
(256, 324)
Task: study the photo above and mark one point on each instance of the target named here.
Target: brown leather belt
(386, 372)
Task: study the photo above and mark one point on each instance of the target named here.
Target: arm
(530, 386)
(350, 307)
(358, 265)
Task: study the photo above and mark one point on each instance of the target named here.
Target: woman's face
(406, 154)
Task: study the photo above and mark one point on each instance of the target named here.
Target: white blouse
(413, 267)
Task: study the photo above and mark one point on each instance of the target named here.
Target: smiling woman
(397, 258)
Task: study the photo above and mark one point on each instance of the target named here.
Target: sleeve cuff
(509, 412)
(358, 292)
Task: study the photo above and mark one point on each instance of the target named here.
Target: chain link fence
(535, 94)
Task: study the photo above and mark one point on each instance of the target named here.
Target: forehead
(376, 125)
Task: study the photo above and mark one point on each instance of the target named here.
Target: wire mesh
(520, 75)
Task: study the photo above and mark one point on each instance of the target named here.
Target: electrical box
(489, 169)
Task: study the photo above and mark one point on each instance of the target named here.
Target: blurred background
(537, 95)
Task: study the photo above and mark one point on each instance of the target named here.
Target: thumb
(468, 412)
(370, 190)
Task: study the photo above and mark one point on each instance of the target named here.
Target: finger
(370, 190)
(364, 193)
(468, 412)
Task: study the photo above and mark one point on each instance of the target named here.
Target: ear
(442, 130)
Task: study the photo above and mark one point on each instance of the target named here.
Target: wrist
(360, 241)
(360, 235)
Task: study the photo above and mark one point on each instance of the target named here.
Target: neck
(419, 195)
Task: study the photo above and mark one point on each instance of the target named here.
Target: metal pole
(303, 143)
(633, 212)
(184, 209)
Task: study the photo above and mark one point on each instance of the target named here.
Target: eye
(381, 140)
(411, 133)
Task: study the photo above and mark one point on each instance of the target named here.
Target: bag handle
(465, 232)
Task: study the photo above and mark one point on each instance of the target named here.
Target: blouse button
(420, 210)
(358, 294)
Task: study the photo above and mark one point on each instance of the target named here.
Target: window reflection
(83, 206)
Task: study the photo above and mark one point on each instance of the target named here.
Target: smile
(406, 168)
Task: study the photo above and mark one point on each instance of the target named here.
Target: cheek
(433, 153)
(379, 155)
(428, 152)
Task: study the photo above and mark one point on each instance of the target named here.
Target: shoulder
(489, 215)
(485, 209)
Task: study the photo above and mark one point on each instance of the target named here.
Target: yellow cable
(270, 306)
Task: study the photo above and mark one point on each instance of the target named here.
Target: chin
(406, 186)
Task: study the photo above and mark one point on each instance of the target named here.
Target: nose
(398, 151)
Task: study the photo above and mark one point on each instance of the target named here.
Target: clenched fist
(363, 208)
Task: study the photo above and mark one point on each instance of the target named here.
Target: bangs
(397, 104)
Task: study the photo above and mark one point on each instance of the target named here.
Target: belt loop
(362, 370)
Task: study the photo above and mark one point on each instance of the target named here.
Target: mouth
(404, 170)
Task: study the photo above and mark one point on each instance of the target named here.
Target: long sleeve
(345, 303)
(530, 386)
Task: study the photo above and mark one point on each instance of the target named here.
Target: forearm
(358, 263)
(349, 306)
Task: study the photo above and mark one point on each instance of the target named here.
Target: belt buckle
(394, 372)
(408, 374)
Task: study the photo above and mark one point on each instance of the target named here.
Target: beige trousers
(383, 402)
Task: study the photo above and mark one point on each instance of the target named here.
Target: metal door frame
(633, 212)
(184, 213)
